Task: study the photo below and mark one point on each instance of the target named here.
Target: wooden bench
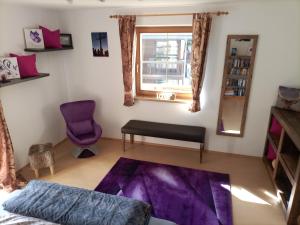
(164, 130)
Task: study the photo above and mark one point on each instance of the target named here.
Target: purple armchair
(82, 130)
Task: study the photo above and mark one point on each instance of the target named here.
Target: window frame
(164, 29)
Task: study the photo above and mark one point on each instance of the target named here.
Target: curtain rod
(219, 13)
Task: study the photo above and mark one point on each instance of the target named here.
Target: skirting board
(154, 144)
(179, 147)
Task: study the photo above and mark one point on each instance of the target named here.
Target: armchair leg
(88, 152)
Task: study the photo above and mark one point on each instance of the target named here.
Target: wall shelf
(236, 77)
(47, 49)
(21, 80)
(285, 172)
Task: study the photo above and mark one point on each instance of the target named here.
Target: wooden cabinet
(281, 156)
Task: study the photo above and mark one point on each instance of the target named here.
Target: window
(163, 61)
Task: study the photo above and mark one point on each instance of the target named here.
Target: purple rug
(184, 196)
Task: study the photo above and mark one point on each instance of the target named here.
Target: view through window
(165, 61)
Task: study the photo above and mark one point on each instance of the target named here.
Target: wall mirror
(237, 76)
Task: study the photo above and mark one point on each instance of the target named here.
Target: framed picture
(9, 68)
(66, 40)
(100, 44)
(34, 38)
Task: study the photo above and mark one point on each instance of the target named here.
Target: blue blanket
(74, 206)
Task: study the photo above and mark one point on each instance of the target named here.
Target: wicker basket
(41, 156)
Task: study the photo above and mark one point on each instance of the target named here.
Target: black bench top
(165, 130)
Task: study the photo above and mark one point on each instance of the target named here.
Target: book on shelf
(240, 83)
(239, 71)
(241, 63)
(235, 87)
(239, 92)
(229, 93)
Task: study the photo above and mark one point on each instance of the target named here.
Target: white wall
(277, 63)
(32, 108)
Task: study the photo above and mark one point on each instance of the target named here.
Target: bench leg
(131, 138)
(123, 138)
(201, 151)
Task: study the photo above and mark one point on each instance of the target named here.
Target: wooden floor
(254, 201)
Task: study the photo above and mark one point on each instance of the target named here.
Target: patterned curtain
(126, 29)
(8, 180)
(201, 29)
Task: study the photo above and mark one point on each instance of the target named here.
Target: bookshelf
(237, 70)
(284, 167)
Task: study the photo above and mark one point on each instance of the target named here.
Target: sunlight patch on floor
(165, 176)
(244, 195)
(273, 197)
(232, 131)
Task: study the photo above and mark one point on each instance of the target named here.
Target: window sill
(144, 98)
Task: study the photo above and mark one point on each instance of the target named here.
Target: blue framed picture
(100, 44)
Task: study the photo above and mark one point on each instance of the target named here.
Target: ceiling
(112, 3)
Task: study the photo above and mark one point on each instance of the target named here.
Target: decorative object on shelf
(237, 76)
(51, 38)
(41, 156)
(9, 68)
(100, 44)
(66, 40)
(165, 95)
(4, 78)
(27, 65)
(34, 38)
(288, 98)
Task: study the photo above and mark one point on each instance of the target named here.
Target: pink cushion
(27, 65)
(51, 38)
(271, 155)
(81, 127)
(275, 127)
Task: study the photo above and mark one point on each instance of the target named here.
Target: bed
(7, 218)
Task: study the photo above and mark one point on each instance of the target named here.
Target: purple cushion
(275, 127)
(27, 65)
(51, 38)
(81, 127)
(271, 155)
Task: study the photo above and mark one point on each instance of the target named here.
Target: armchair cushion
(81, 127)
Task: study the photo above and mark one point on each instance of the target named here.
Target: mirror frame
(248, 83)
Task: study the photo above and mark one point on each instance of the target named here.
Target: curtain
(201, 29)
(8, 180)
(126, 29)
